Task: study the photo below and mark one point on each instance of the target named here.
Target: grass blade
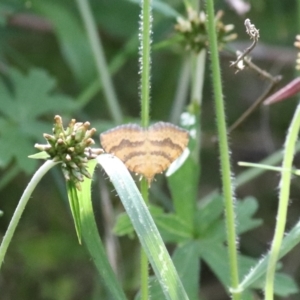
(92, 239)
(144, 226)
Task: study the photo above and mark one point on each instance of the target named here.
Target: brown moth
(146, 151)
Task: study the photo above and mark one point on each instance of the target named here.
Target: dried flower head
(193, 31)
(71, 146)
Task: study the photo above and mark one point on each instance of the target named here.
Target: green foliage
(50, 264)
(72, 39)
(204, 241)
(75, 208)
(86, 222)
(144, 226)
(24, 100)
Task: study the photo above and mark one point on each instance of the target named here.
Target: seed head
(193, 31)
(71, 147)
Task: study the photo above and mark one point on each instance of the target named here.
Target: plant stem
(198, 69)
(284, 194)
(21, 206)
(181, 91)
(267, 167)
(145, 31)
(145, 34)
(101, 64)
(228, 192)
(144, 259)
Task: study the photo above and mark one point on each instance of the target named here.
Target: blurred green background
(47, 68)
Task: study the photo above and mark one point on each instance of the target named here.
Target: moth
(146, 151)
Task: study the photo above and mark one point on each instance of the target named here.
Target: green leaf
(245, 211)
(171, 227)
(31, 97)
(183, 183)
(248, 295)
(72, 38)
(40, 155)
(257, 270)
(213, 254)
(144, 226)
(14, 145)
(183, 187)
(208, 222)
(284, 285)
(123, 226)
(75, 209)
(187, 263)
(208, 215)
(92, 239)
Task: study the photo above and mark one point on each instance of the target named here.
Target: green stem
(144, 259)
(181, 92)
(21, 206)
(253, 173)
(145, 61)
(145, 33)
(267, 167)
(228, 192)
(284, 194)
(101, 64)
(198, 68)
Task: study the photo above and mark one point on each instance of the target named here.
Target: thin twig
(260, 71)
(240, 63)
(256, 104)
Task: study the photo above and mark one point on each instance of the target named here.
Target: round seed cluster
(71, 146)
(193, 31)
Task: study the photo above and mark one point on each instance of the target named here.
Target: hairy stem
(284, 194)
(228, 192)
(145, 60)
